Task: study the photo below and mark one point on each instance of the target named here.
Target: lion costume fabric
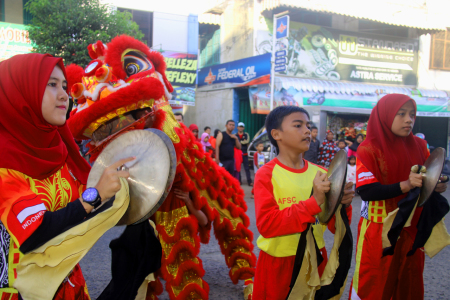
(125, 76)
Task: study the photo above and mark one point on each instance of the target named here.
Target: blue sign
(244, 72)
(281, 61)
(280, 53)
(282, 27)
(280, 68)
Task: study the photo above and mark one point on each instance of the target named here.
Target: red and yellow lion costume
(124, 76)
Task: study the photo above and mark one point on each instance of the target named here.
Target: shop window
(27, 16)
(210, 49)
(144, 19)
(382, 28)
(440, 51)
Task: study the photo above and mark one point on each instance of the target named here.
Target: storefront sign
(260, 101)
(13, 40)
(182, 74)
(431, 107)
(326, 53)
(244, 72)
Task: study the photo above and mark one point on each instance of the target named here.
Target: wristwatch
(91, 197)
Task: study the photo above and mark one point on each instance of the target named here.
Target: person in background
(327, 150)
(351, 170)
(259, 159)
(207, 129)
(212, 141)
(179, 117)
(342, 145)
(225, 143)
(204, 140)
(313, 152)
(352, 148)
(244, 139)
(194, 129)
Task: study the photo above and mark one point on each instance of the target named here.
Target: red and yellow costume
(41, 170)
(284, 207)
(126, 76)
(387, 159)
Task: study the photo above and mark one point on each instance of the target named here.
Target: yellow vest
(289, 188)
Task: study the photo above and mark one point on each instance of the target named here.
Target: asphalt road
(96, 264)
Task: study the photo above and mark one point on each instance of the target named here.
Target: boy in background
(284, 204)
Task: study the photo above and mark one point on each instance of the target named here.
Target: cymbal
(337, 174)
(151, 173)
(434, 165)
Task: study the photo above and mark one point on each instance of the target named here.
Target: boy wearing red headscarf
(384, 177)
(285, 207)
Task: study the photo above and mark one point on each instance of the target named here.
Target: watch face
(90, 195)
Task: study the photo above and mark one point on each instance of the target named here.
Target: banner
(260, 101)
(325, 53)
(260, 98)
(13, 40)
(182, 74)
(244, 72)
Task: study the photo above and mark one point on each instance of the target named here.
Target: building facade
(340, 59)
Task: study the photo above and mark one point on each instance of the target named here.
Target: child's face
(330, 136)
(260, 148)
(314, 133)
(294, 134)
(360, 139)
(341, 145)
(206, 139)
(404, 120)
(352, 162)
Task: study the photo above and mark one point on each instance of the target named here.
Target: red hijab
(388, 156)
(193, 127)
(30, 144)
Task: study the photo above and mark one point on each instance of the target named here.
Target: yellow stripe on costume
(359, 248)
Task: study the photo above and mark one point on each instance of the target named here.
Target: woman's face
(55, 101)
(404, 120)
(330, 136)
(360, 139)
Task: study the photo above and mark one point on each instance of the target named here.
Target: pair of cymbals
(151, 173)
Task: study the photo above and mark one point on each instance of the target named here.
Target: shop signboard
(325, 53)
(13, 40)
(260, 101)
(182, 74)
(244, 72)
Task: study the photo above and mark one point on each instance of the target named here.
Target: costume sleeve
(23, 211)
(270, 220)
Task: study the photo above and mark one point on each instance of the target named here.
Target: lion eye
(135, 63)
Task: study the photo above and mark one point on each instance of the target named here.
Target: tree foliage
(65, 28)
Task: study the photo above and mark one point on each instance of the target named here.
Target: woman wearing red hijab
(42, 174)
(384, 178)
(194, 129)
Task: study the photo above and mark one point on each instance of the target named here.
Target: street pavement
(96, 264)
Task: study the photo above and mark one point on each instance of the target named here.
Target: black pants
(229, 166)
(247, 170)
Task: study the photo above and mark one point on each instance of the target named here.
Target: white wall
(211, 109)
(430, 78)
(170, 31)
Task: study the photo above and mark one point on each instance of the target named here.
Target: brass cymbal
(151, 173)
(434, 165)
(337, 174)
